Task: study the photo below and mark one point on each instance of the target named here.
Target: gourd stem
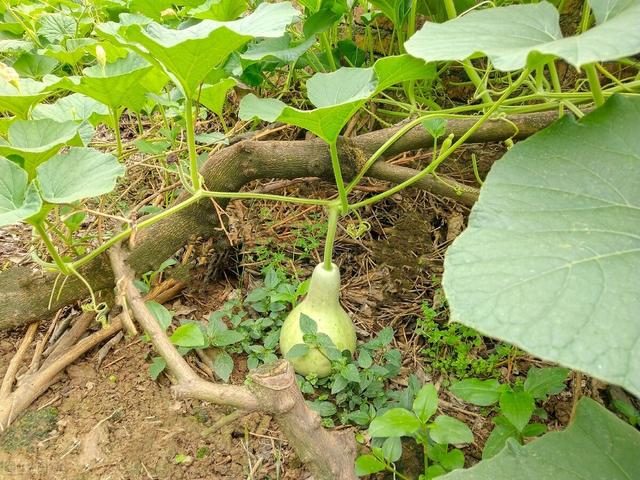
(555, 81)
(594, 84)
(191, 142)
(326, 45)
(42, 232)
(332, 226)
(116, 130)
(445, 154)
(337, 172)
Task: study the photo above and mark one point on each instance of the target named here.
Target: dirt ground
(115, 422)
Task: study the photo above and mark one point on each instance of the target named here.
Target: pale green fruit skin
(322, 304)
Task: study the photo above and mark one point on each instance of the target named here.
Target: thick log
(25, 291)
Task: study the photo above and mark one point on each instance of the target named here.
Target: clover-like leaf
(34, 141)
(20, 100)
(78, 173)
(550, 260)
(180, 52)
(337, 95)
(19, 198)
(516, 36)
(596, 445)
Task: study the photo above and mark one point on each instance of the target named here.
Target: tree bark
(330, 455)
(26, 290)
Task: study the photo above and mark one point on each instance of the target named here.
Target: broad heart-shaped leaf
(34, 141)
(117, 84)
(278, 49)
(597, 445)
(221, 10)
(76, 107)
(519, 35)
(34, 66)
(550, 260)
(71, 51)
(337, 95)
(19, 198)
(189, 54)
(78, 173)
(19, 101)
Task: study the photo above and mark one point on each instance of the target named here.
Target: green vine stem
(191, 142)
(445, 154)
(51, 248)
(393, 139)
(555, 81)
(337, 172)
(332, 226)
(594, 83)
(197, 196)
(326, 46)
(115, 118)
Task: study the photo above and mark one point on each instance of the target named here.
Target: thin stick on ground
(65, 353)
(14, 365)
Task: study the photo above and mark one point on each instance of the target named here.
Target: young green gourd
(322, 304)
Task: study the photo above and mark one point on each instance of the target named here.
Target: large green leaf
(77, 107)
(519, 35)
(597, 445)
(19, 101)
(117, 84)
(214, 96)
(337, 95)
(551, 258)
(34, 66)
(71, 51)
(78, 173)
(189, 54)
(280, 49)
(19, 198)
(34, 141)
(221, 10)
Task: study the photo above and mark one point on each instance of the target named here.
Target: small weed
(458, 351)
(250, 326)
(517, 404)
(416, 421)
(356, 388)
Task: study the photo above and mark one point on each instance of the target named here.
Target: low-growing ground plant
(516, 404)
(456, 351)
(435, 435)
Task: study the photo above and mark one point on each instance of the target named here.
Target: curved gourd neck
(324, 288)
